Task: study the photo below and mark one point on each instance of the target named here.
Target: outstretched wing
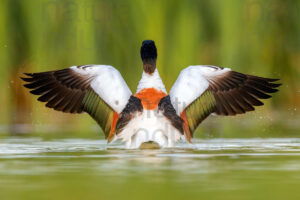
(98, 90)
(202, 90)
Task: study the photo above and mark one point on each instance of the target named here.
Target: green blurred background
(259, 37)
(250, 36)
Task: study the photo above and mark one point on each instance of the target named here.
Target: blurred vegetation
(251, 36)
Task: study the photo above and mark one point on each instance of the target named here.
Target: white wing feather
(108, 83)
(191, 83)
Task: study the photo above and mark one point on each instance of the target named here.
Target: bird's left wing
(202, 90)
(99, 90)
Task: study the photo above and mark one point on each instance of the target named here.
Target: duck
(151, 114)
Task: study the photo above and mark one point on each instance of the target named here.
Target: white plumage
(150, 125)
(108, 83)
(191, 83)
(151, 81)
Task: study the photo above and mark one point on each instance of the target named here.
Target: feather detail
(99, 110)
(204, 89)
(201, 108)
(98, 90)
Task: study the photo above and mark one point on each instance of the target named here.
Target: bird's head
(149, 56)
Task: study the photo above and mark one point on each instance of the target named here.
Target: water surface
(33, 168)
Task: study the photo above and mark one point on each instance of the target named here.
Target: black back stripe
(169, 112)
(133, 107)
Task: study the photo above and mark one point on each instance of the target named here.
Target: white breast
(150, 125)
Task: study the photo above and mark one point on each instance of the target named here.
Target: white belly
(150, 125)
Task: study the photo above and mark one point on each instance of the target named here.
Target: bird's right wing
(99, 90)
(202, 90)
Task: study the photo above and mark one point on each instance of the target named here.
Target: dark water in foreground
(32, 168)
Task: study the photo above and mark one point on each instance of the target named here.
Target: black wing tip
(28, 77)
(27, 85)
(34, 92)
(266, 96)
(272, 79)
(270, 82)
(261, 104)
(263, 78)
(247, 92)
(29, 74)
(274, 86)
(51, 91)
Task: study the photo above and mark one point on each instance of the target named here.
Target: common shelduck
(151, 114)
